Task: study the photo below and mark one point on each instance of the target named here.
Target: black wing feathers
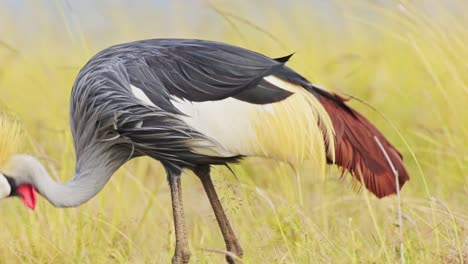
(284, 59)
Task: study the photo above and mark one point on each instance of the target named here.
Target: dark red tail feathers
(357, 151)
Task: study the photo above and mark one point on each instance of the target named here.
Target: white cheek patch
(5, 188)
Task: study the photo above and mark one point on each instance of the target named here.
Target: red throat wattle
(28, 195)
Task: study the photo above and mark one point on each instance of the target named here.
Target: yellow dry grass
(10, 137)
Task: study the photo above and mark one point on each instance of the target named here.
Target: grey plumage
(107, 118)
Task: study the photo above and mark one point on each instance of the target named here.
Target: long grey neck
(90, 177)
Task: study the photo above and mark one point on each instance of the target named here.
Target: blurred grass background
(408, 59)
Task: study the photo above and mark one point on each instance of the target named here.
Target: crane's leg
(182, 251)
(232, 245)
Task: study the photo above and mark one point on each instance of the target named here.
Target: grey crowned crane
(191, 104)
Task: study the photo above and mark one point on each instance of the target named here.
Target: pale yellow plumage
(295, 128)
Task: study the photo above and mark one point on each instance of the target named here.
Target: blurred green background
(407, 59)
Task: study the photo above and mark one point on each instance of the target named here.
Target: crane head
(25, 192)
(10, 143)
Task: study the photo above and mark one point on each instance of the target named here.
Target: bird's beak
(28, 195)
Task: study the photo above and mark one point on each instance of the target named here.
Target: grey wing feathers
(192, 70)
(206, 71)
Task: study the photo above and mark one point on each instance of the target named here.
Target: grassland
(407, 60)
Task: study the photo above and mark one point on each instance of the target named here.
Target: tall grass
(407, 60)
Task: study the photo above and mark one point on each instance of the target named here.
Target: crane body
(191, 104)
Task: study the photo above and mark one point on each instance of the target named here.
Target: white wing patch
(138, 93)
(227, 122)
